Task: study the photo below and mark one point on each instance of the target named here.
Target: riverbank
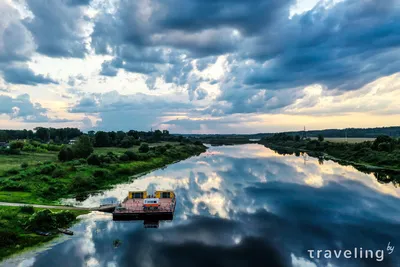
(20, 227)
(48, 182)
(381, 157)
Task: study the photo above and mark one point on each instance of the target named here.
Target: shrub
(16, 145)
(83, 147)
(385, 146)
(168, 146)
(144, 148)
(24, 165)
(101, 173)
(8, 238)
(82, 183)
(65, 154)
(58, 172)
(124, 157)
(47, 169)
(27, 209)
(132, 155)
(93, 159)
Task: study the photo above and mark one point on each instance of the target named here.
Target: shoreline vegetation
(26, 227)
(52, 164)
(380, 157)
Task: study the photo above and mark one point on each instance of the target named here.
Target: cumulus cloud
(24, 75)
(57, 27)
(21, 107)
(16, 43)
(137, 111)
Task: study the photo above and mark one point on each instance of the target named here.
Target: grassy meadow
(45, 180)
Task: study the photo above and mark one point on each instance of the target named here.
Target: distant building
(72, 141)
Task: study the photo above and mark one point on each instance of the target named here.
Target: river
(242, 205)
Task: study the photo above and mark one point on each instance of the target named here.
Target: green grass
(13, 224)
(8, 162)
(120, 150)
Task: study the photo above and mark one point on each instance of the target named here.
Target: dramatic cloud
(24, 75)
(57, 28)
(15, 40)
(21, 107)
(208, 60)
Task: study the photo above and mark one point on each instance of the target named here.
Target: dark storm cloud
(345, 47)
(15, 40)
(56, 28)
(23, 75)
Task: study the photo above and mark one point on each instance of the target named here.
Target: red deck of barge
(132, 209)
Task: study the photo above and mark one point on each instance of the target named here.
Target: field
(348, 140)
(121, 150)
(8, 162)
(45, 180)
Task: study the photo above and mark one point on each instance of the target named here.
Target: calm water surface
(241, 206)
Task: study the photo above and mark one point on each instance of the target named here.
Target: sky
(199, 66)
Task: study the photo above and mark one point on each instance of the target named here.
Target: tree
(65, 154)
(91, 133)
(144, 148)
(101, 139)
(381, 139)
(16, 145)
(320, 138)
(43, 134)
(83, 147)
(3, 136)
(157, 135)
(297, 138)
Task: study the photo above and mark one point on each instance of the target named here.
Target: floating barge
(135, 207)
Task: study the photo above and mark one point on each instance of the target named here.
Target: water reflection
(241, 206)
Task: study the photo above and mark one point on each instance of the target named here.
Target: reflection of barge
(141, 206)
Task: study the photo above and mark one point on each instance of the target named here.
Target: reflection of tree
(387, 177)
(383, 176)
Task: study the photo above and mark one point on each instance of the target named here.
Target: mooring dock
(132, 208)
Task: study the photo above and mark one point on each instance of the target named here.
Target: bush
(198, 143)
(24, 165)
(93, 159)
(83, 147)
(387, 147)
(58, 172)
(82, 184)
(27, 209)
(131, 155)
(16, 145)
(124, 157)
(65, 154)
(101, 173)
(144, 148)
(47, 169)
(8, 238)
(168, 146)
